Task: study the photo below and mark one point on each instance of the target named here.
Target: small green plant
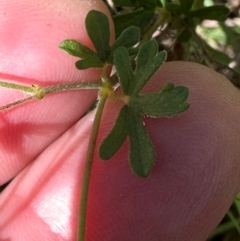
(136, 57)
(168, 101)
(134, 68)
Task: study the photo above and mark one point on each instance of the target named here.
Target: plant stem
(18, 102)
(72, 86)
(88, 166)
(223, 228)
(38, 92)
(16, 86)
(233, 220)
(163, 17)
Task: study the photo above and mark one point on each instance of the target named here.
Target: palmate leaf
(167, 102)
(170, 100)
(148, 61)
(97, 26)
(142, 153)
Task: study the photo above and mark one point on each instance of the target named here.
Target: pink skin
(196, 175)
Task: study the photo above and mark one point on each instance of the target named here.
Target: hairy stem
(72, 86)
(88, 166)
(18, 102)
(38, 92)
(24, 88)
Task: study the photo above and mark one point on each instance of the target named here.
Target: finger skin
(31, 32)
(193, 183)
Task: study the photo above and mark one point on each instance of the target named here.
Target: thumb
(31, 33)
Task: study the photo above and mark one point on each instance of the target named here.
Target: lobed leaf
(142, 152)
(116, 137)
(123, 66)
(147, 63)
(167, 102)
(97, 26)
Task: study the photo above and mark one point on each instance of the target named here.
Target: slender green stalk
(163, 17)
(225, 227)
(72, 86)
(38, 92)
(16, 86)
(18, 102)
(88, 166)
(234, 221)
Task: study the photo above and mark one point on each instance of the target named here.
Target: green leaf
(217, 12)
(89, 63)
(124, 3)
(142, 153)
(97, 26)
(139, 18)
(147, 63)
(184, 36)
(173, 8)
(77, 49)
(89, 58)
(186, 5)
(128, 38)
(167, 102)
(218, 56)
(116, 137)
(123, 66)
(149, 4)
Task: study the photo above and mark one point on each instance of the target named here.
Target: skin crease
(196, 175)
